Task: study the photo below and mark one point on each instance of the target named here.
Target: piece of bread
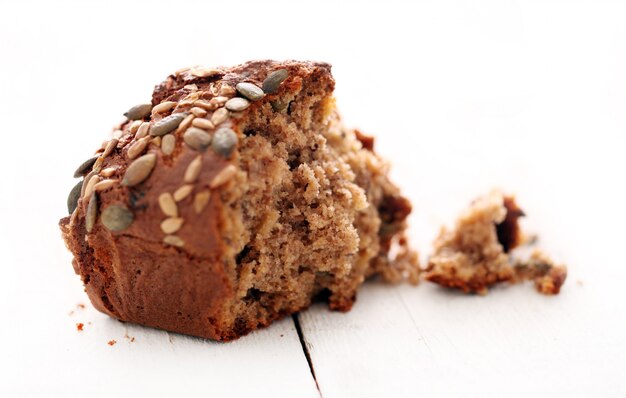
(476, 254)
(233, 199)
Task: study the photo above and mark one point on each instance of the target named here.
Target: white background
(463, 96)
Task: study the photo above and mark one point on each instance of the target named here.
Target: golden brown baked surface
(234, 198)
(476, 253)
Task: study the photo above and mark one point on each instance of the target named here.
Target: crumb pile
(234, 198)
(476, 254)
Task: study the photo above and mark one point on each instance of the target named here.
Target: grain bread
(234, 198)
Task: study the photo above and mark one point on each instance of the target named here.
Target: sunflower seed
(142, 131)
(174, 241)
(182, 192)
(92, 212)
(273, 80)
(156, 141)
(184, 125)
(201, 200)
(108, 172)
(134, 126)
(202, 71)
(197, 139)
(198, 112)
(167, 124)
(226, 91)
(193, 170)
(224, 141)
(137, 148)
(85, 167)
(219, 101)
(219, 116)
(72, 198)
(110, 147)
(237, 104)
(116, 218)
(90, 184)
(168, 144)
(104, 185)
(191, 87)
(139, 170)
(205, 105)
(86, 181)
(138, 111)
(250, 91)
(203, 124)
(223, 176)
(168, 205)
(98, 165)
(117, 134)
(171, 224)
(163, 107)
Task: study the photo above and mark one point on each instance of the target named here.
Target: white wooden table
(528, 96)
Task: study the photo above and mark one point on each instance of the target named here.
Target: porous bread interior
(302, 223)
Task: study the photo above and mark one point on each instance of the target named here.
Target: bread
(476, 254)
(236, 197)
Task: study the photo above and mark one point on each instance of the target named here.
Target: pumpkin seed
(85, 167)
(167, 124)
(168, 144)
(92, 212)
(274, 79)
(116, 218)
(237, 104)
(193, 170)
(201, 200)
(182, 192)
(138, 111)
(203, 124)
(171, 225)
(219, 116)
(250, 91)
(174, 241)
(223, 176)
(72, 199)
(137, 148)
(139, 170)
(163, 107)
(224, 141)
(168, 205)
(197, 139)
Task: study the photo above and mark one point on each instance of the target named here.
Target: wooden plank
(45, 355)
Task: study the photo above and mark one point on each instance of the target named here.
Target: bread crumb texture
(476, 253)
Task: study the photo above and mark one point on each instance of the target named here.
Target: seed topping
(203, 124)
(168, 144)
(174, 240)
(168, 205)
(167, 124)
(139, 170)
(104, 185)
(72, 198)
(92, 212)
(163, 107)
(223, 176)
(182, 192)
(138, 111)
(116, 218)
(197, 139)
(201, 200)
(224, 141)
(137, 147)
(273, 80)
(171, 225)
(250, 91)
(85, 167)
(219, 116)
